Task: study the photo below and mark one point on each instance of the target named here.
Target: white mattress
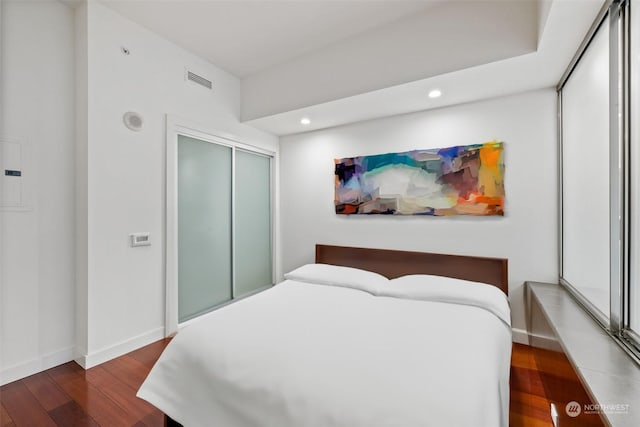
(303, 354)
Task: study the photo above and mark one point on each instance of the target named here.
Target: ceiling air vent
(199, 79)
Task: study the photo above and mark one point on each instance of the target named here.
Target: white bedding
(307, 355)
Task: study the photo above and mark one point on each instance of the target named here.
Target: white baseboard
(50, 360)
(545, 342)
(519, 336)
(35, 365)
(105, 354)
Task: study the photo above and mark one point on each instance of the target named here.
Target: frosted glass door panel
(253, 222)
(585, 174)
(204, 226)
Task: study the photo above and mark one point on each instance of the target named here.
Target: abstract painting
(461, 180)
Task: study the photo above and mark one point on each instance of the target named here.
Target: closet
(219, 222)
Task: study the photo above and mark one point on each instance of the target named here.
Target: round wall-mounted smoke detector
(133, 121)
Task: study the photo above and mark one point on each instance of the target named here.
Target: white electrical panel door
(12, 179)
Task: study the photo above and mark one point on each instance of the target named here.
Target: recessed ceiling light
(436, 93)
(305, 121)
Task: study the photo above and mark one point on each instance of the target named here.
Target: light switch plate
(140, 239)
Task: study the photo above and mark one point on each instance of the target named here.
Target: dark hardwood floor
(529, 405)
(68, 396)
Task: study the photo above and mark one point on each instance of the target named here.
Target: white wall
(37, 244)
(126, 171)
(526, 235)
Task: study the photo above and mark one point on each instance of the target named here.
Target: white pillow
(446, 289)
(334, 275)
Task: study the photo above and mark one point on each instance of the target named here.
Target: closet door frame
(179, 126)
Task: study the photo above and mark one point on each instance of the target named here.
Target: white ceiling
(247, 36)
(340, 61)
(566, 25)
(447, 37)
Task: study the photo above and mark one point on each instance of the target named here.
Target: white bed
(417, 351)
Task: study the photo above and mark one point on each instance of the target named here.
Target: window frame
(617, 324)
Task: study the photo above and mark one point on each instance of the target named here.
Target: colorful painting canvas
(462, 180)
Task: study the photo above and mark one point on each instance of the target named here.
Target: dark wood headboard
(392, 264)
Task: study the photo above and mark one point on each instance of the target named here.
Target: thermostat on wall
(140, 239)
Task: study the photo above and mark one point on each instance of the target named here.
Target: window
(600, 166)
(585, 174)
(634, 178)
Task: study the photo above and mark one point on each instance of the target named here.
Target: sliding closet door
(252, 222)
(204, 226)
